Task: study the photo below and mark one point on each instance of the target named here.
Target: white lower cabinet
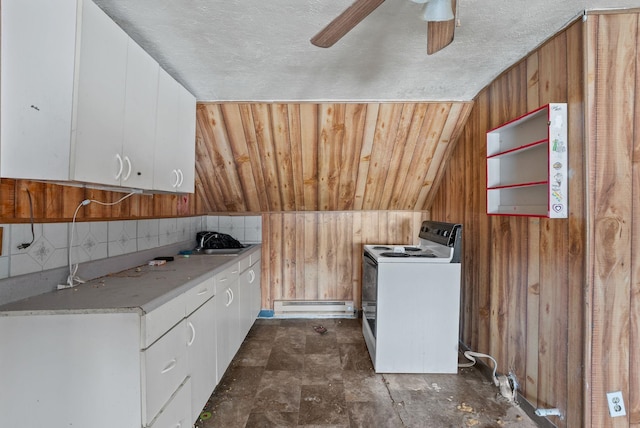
(123, 367)
(227, 319)
(250, 296)
(176, 414)
(164, 368)
(201, 355)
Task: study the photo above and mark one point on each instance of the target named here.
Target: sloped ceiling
(323, 157)
(258, 50)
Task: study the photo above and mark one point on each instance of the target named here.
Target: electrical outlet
(616, 404)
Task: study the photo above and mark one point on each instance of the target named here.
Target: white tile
(225, 223)
(168, 231)
(57, 234)
(21, 233)
(237, 222)
(21, 264)
(253, 221)
(184, 230)
(252, 236)
(148, 242)
(122, 237)
(41, 250)
(212, 223)
(4, 267)
(148, 228)
(57, 259)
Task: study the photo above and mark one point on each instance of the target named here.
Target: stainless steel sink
(222, 251)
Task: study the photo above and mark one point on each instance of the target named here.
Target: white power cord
(73, 279)
(507, 384)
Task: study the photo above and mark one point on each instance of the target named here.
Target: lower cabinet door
(164, 370)
(177, 413)
(201, 355)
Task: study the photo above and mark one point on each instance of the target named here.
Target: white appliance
(411, 302)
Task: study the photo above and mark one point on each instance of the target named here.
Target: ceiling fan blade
(440, 34)
(344, 22)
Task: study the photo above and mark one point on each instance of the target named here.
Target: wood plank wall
(318, 255)
(323, 157)
(328, 178)
(53, 202)
(613, 263)
(523, 298)
(551, 297)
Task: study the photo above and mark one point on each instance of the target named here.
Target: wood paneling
(323, 157)
(556, 301)
(318, 255)
(522, 290)
(614, 187)
(54, 202)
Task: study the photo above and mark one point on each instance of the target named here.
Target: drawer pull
(201, 292)
(170, 366)
(223, 279)
(120, 167)
(193, 333)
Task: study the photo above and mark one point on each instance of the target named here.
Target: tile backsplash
(99, 240)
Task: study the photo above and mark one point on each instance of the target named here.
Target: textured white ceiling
(259, 50)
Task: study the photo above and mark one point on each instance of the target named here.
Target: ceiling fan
(439, 15)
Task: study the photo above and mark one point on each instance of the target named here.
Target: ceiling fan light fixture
(438, 10)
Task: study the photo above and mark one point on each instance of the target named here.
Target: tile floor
(286, 375)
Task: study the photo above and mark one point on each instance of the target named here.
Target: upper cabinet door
(102, 73)
(37, 56)
(141, 96)
(174, 163)
(166, 176)
(186, 156)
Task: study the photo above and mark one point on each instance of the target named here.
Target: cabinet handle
(181, 180)
(201, 292)
(175, 183)
(232, 295)
(223, 279)
(252, 276)
(229, 297)
(120, 166)
(193, 333)
(169, 366)
(128, 161)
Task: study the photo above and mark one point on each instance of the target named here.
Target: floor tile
(287, 375)
(323, 405)
(278, 391)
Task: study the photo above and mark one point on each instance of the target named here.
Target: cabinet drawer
(176, 414)
(255, 257)
(199, 294)
(161, 319)
(164, 368)
(227, 276)
(244, 263)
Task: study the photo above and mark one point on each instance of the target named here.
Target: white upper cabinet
(80, 100)
(174, 160)
(99, 108)
(141, 98)
(37, 88)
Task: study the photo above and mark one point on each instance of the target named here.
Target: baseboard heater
(313, 308)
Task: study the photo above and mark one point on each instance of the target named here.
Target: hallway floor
(286, 375)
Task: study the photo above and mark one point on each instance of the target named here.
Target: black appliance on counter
(216, 241)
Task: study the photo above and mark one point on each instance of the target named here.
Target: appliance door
(369, 291)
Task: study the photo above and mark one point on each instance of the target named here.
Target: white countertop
(140, 289)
